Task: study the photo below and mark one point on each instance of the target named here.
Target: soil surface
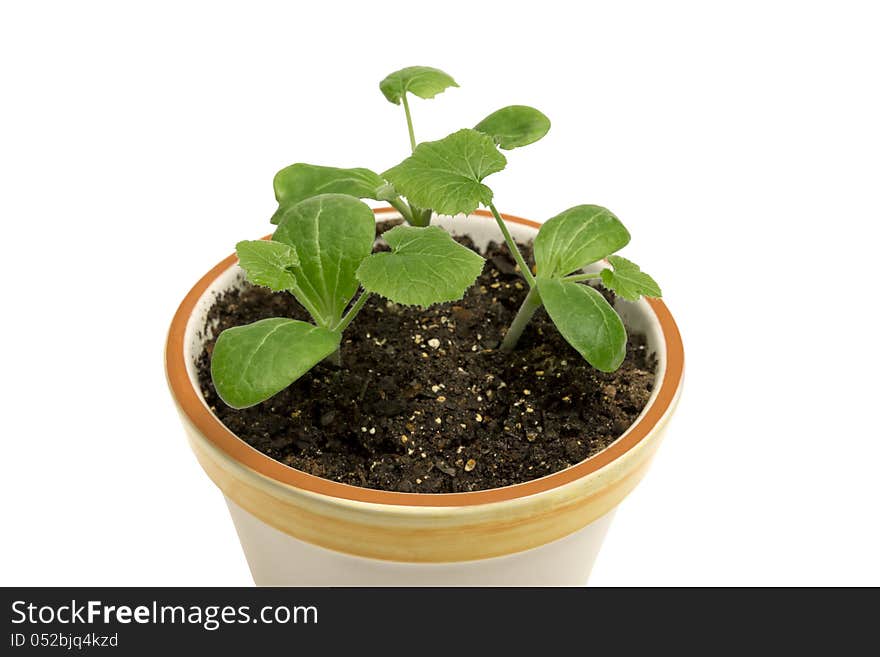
(424, 401)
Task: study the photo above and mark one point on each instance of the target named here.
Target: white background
(739, 142)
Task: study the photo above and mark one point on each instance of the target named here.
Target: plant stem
(313, 311)
(529, 305)
(352, 312)
(412, 136)
(336, 357)
(418, 216)
(574, 278)
(514, 249)
(403, 208)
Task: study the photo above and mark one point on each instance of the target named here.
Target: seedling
(448, 175)
(321, 251)
(510, 127)
(322, 247)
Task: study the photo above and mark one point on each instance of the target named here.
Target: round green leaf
(425, 266)
(446, 175)
(514, 126)
(253, 362)
(576, 238)
(301, 181)
(423, 81)
(332, 234)
(586, 321)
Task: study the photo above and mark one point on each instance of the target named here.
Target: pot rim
(197, 412)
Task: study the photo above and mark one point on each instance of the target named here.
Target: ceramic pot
(301, 530)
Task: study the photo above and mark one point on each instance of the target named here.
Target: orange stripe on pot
(453, 534)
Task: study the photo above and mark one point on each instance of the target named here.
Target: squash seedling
(424, 82)
(321, 251)
(322, 245)
(300, 181)
(447, 175)
(510, 127)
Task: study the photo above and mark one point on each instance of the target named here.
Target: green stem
(529, 305)
(352, 312)
(403, 208)
(412, 136)
(418, 216)
(421, 218)
(336, 357)
(514, 249)
(313, 311)
(574, 278)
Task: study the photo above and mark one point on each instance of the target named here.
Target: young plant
(448, 175)
(509, 127)
(321, 253)
(565, 245)
(421, 81)
(424, 82)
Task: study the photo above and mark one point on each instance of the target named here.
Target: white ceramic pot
(301, 530)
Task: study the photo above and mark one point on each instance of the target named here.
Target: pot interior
(637, 316)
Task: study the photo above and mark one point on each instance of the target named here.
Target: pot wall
(278, 559)
(297, 529)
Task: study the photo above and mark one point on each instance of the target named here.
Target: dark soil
(425, 403)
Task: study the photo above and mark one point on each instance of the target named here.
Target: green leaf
(423, 81)
(253, 362)
(576, 238)
(628, 280)
(425, 266)
(446, 175)
(514, 126)
(586, 321)
(301, 181)
(268, 263)
(332, 234)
